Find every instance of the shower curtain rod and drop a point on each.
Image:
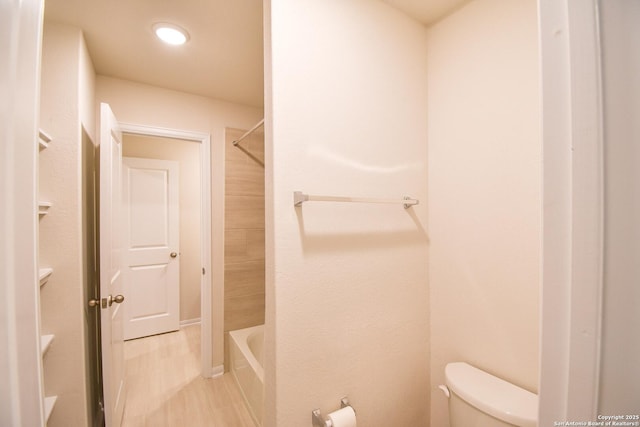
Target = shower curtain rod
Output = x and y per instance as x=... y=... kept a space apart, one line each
x=249 y=132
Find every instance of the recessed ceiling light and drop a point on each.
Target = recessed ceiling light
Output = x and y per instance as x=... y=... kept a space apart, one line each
x=171 y=34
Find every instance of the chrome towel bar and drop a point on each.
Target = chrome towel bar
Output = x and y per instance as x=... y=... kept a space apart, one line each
x=299 y=197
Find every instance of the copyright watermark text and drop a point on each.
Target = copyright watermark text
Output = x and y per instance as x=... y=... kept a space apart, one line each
x=604 y=420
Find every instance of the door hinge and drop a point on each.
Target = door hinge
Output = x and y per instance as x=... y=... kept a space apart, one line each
x=203 y=273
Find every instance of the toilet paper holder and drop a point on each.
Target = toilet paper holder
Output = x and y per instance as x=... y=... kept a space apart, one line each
x=316 y=416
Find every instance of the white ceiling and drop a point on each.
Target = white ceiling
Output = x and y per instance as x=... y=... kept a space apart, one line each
x=222 y=60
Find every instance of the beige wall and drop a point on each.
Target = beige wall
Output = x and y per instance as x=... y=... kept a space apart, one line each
x=244 y=233
x=87 y=95
x=347 y=294
x=67 y=89
x=484 y=193
x=141 y=104
x=187 y=154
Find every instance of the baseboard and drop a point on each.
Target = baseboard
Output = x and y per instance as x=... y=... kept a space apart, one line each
x=217 y=371
x=189 y=322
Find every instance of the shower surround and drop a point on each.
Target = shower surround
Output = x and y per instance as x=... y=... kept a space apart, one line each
x=243 y=233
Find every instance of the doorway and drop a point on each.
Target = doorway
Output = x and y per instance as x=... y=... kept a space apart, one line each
x=161 y=218
x=192 y=149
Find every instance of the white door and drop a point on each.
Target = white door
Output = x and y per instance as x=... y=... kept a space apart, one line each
x=152 y=277
x=111 y=318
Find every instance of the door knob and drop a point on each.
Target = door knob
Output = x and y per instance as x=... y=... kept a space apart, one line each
x=108 y=301
x=174 y=254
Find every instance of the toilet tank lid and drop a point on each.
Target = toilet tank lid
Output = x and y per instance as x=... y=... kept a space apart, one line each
x=492 y=395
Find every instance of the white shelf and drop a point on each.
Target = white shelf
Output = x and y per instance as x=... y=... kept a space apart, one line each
x=43 y=139
x=43 y=207
x=49 y=404
x=45 y=343
x=44 y=274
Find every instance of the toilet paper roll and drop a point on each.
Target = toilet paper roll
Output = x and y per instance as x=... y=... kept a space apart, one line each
x=344 y=417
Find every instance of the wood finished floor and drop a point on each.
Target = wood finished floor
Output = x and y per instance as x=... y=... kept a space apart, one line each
x=165 y=388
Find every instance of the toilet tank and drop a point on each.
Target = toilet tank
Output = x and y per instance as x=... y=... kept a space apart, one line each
x=481 y=400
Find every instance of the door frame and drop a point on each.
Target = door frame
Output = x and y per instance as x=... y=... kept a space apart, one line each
x=204 y=139
x=573 y=200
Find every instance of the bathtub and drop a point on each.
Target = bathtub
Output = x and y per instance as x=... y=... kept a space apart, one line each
x=246 y=354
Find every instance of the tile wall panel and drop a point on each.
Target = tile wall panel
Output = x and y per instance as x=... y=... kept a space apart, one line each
x=244 y=233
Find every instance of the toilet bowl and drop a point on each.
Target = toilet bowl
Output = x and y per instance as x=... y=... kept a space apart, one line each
x=479 y=399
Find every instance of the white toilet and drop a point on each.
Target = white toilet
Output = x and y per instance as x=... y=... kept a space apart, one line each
x=478 y=399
